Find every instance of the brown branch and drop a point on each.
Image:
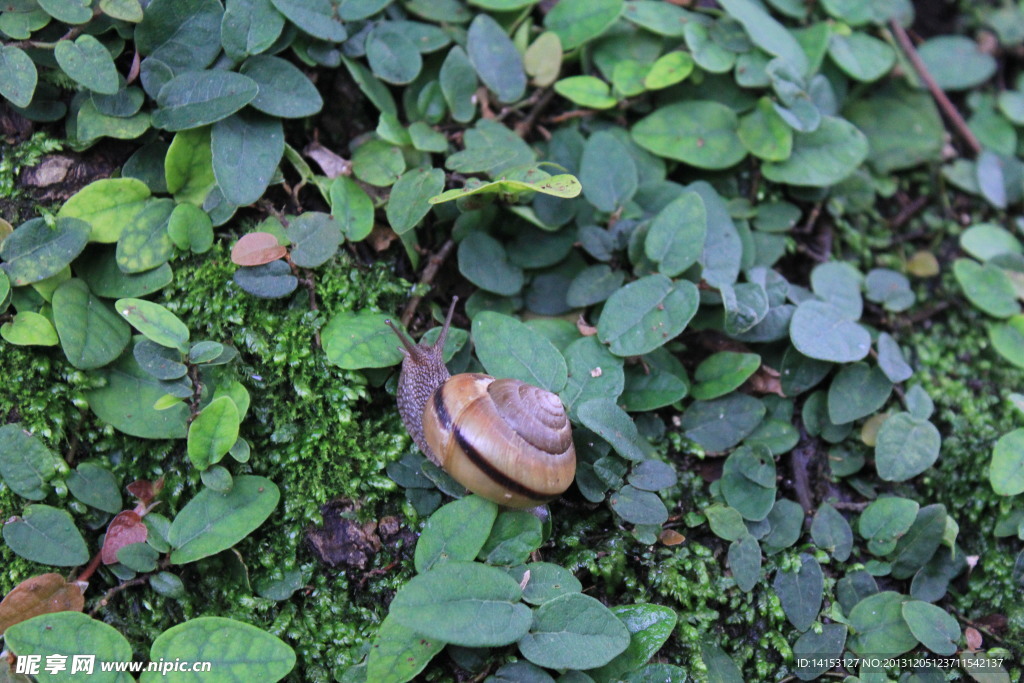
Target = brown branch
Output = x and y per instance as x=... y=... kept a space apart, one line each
x=524 y=127
x=800 y=462
x=429 y=273
x=574 y=114
x=908 y=211
x=137 y=581
x=91 y=568
x=940 y=97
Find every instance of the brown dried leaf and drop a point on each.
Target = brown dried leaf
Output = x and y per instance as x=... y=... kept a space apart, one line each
x=766 y=381
x=381 y=237
x=671 y=537
x=332 y=164
x=43 y=594
x=257 y=248
x=586 y=329
x=126 y=528
x=973 y=637
x=142 y=489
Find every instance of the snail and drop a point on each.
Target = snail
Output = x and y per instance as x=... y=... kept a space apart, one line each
x=503 y=439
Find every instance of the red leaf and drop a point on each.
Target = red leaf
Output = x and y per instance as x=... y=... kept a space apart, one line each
x=257 y=248
x=43 y=594
x=145 y=491
x=126 y=528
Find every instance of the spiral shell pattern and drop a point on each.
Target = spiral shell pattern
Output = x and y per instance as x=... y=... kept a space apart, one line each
x=505 y=440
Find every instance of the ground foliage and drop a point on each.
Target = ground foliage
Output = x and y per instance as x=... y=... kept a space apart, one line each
x=725 y=234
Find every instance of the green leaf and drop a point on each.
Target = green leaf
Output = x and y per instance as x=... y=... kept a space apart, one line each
x=357 y=340
x=29 y=329
x=495 y=58
x=607 y=173
x=182 y=34
x=543 y=59
x=699 y=133
x=190 y=228
x=1007 y=470
x=649 y=627
x=915 y=548
x=378 y=163
x=646 y=314
x=484 y=262
x=70 y=633
x=606 y=419
x=722 y=372
x=408 y=203
x=315 y=17
x=188 y=166
x=155 y=322
x=820 y=330
x=786 y=520
x=239 y=651
x=315 y=237
x=515 y=535
x=87 y=62
x=987 y=287
x=507 y=348
x=574 y=631
x=822 y=158
x=800 y=592
x=283 y=90
x=721 y=668
x=392 y=56
x=95 y=486
x=903 y=127
x=196 y=98
x=547 y=581
x=889 y=288
x=456 y=532
x=668 y=70
x=213 y=432
x=18 y=75
x=857 y=391
x=765 y=133
x=832 y=532
x=490 y=148
x=249 y=27
x=269 y=281
x=663 y=383
x=638 y=507
x=26 y=464
x=594 y=284
x=144 y=244
x=399 y=653
x=905 y=447
x=653 y=475
x=745 y=562
x=586 y=91
x=593 y=373
x=212 y=521
x=879 y=629
x=46 y=535
x=126 y=400
x=35 y=251
x=99 y=269
x=564 y=186
x=352 y=208
x=464 y=603
x=720 y=424
x=956 y=62
x=458 y=85
x=863 y=57
x=748 y=482
x=933 y=626
x=246 y=148
x=818 y=649
x=579 y=21
x=987 y=240
x=90 y=333
x=725 y=522
x=766 y=33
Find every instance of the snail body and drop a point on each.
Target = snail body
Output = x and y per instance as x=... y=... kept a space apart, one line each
x=503 y=439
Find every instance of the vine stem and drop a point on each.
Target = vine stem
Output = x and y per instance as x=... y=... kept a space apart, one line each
x=429 y=273
x=940 y=97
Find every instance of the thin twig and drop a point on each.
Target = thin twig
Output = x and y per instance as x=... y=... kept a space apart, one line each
x=940 y=97
x=137 y=581
x=908 y=211
x=524 y=127
x=574 y=114
x=429 y=273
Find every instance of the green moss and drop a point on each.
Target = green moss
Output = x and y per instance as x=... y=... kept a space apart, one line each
x=13 y=158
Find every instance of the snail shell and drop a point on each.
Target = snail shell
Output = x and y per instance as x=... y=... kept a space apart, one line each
x=503 y=439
